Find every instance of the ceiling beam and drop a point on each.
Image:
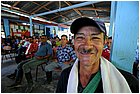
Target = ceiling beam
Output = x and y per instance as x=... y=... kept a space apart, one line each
x=44 y=6
x=16 y=8
x=97 y=9
x=68 y=22
x=61 y=14
x=65 y=8
x=101 y=16
x=38 y=6
x=69 y=4
x=20 y=11
x=25 y=5
x=14 y=4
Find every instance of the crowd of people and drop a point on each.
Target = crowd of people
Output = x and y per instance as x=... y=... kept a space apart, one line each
x=32 y=51
x=83 y=61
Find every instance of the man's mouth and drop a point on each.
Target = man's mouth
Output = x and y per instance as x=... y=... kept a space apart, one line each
x=86 y=52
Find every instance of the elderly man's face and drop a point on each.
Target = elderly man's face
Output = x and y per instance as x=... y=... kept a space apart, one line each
x=88 y=45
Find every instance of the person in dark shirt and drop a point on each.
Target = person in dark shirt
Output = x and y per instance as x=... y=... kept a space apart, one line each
x=92 y=73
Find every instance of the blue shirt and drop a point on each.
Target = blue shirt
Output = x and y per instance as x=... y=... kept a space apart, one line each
x=65 y=54
x=44 y=49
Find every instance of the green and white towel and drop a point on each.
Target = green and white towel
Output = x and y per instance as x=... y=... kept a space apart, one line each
x=113 y=80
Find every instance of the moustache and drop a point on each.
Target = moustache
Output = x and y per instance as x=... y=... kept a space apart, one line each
x=87 y=51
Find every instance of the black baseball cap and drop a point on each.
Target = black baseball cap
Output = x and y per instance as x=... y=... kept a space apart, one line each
x=84 y=21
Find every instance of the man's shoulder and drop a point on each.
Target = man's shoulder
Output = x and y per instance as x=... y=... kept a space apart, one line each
x=48 y=45
x=60 y=46
x=126 y=74
x=131 y=80
x=66 y=72
x=68 y=47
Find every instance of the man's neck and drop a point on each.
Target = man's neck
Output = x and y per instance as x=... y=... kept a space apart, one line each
x=43 y=43
x=86 y=72
x=63 y=46
x=89 y=70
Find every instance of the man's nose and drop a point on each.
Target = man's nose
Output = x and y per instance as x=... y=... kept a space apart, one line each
x=88 y=43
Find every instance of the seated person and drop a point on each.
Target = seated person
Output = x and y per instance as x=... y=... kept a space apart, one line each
x=7 y=47
x=43 y=53
x=31 y=49
x=65 y=56
x=106 y=51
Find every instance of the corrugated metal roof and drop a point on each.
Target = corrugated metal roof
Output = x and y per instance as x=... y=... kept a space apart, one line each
x=101 y=9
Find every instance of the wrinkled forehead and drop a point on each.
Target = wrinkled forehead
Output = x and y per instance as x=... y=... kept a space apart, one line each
x=89 y=30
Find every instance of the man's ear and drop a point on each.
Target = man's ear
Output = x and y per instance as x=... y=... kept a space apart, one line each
x=67 y=41
x=105 y=41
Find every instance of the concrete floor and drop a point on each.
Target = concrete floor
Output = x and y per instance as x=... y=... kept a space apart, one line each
x=8 y=67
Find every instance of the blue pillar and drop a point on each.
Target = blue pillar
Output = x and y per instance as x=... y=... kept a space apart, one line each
x=112 y=17
x=31 y=28
x=126 y=31
x=45 y=29
x=6 y=27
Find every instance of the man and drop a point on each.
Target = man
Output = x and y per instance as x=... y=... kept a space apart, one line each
x=22 y=56
x=43 y=53
x=92 y=73
x=65 y=56
x=106 y=51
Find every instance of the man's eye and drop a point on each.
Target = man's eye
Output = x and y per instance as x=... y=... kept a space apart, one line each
x=95 y=38
x=79 y=38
